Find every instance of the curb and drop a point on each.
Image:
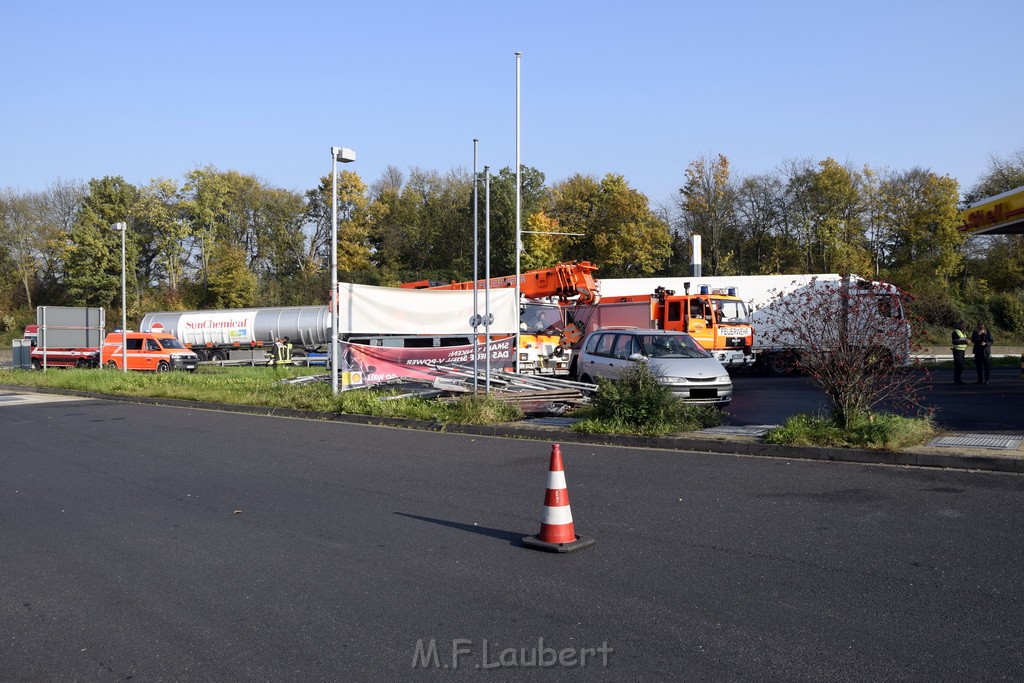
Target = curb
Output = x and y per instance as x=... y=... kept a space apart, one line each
x=907 y=458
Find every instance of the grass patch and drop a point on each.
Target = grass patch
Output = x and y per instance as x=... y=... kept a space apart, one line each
x=876 y=431
x=261 y=387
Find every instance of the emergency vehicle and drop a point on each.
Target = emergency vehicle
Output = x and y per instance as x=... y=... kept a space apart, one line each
x=152 y=351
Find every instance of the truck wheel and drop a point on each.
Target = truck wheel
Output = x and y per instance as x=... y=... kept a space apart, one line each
x=111 y=365
x=778 y=364
x=217 y=355
x=162 y=366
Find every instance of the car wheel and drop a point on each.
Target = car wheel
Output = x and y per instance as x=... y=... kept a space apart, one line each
x=162 y=366
x=586 y=379
x=111 y=365
x=36 y=365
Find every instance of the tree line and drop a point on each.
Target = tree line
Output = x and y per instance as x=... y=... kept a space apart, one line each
x=224 y=239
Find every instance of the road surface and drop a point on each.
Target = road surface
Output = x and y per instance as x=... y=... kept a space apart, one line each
x=153 y=542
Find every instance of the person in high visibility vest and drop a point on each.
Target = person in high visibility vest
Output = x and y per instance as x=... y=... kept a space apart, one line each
x=282 y=352
x=959 y=339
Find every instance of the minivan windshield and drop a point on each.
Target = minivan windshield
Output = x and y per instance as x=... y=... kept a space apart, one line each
x=671 y=346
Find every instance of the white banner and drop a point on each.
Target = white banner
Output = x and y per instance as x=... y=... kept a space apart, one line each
x=391 y=310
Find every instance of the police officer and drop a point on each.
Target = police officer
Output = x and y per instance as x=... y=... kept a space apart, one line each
x=959 y=339
x=982 y=340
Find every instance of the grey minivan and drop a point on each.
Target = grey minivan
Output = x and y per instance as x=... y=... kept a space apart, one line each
x=676 y=358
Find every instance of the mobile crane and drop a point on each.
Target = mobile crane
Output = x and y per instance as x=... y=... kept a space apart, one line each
x=545 y=341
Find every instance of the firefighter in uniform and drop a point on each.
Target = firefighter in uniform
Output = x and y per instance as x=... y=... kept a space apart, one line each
x=960 y=340
x=282 y=352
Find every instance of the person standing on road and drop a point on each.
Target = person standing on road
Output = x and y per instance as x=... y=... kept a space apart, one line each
x=982 y=340
x=959 y=345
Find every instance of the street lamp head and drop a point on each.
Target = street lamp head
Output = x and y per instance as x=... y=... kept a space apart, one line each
x=343 y=154
x=119 y=227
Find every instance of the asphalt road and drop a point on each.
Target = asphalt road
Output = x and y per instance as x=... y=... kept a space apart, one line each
x=165 y=543
x=990 y=408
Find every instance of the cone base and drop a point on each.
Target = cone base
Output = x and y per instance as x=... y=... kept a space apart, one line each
x=537 y=544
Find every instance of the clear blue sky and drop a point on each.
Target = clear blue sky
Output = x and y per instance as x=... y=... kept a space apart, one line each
x=154 y=89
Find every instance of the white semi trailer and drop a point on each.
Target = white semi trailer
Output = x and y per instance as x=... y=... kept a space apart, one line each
x=877 y=306
x=214 y=334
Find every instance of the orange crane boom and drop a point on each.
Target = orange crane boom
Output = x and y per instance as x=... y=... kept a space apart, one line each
x=573 y=279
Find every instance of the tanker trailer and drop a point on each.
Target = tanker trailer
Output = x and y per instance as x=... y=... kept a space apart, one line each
x=213 y=334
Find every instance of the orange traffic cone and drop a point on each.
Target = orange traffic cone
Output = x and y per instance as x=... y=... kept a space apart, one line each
x=557 y=533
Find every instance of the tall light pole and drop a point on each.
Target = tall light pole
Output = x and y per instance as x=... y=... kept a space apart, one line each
x=123 y=229
x=476 y=275
x=344 y=156
x=519 y=209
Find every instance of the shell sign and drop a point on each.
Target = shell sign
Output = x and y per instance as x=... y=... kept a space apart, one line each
x=999 y=215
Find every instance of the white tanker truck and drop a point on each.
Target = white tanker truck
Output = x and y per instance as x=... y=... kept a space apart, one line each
x=212 y=335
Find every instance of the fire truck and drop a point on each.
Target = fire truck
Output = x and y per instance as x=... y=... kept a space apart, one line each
x=717 y=318
x=78 y=357
x=545 y=346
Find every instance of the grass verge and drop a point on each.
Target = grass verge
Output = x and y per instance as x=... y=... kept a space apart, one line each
x=262 y=387
x=876 y=431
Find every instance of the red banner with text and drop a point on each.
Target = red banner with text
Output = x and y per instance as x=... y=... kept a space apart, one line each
x=364 y=366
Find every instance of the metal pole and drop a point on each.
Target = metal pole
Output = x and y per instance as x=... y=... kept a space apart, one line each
x=123 y=227
x=487 y=275
x=519 y=224
x=476 y=275
x=334 y=271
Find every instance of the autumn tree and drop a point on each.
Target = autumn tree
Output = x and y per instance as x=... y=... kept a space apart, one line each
x=56 y=209
x=503 y=213
x=19 y=235
x=542 y=245
x=354 y=241
x=618 y=230
x=835 y=205
x=230 y=282
x=920 y=216
x=93 y=273
x=767 y=245
x=708 y=205
x=161 y=231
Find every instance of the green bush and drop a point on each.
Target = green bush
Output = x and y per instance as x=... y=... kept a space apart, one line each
x=638 y=404
x=1007 y=310
x=637 y=398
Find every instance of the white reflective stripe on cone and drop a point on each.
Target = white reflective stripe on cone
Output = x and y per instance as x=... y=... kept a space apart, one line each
x=557 y=515
x=556 y=479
